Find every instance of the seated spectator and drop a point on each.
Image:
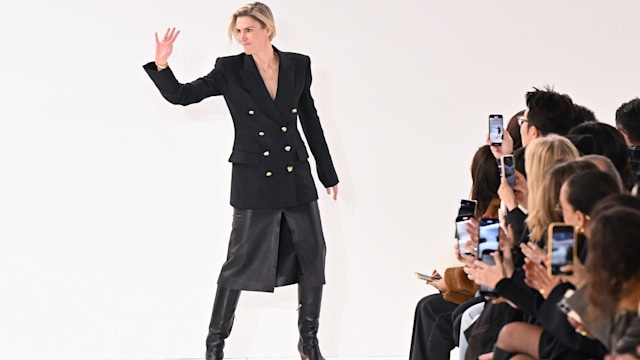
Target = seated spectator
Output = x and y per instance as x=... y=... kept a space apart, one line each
x=609 y=142
x=628 y=123
x=432 y=327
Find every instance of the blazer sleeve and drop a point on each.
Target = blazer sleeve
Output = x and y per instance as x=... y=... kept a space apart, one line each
x=214 y=83
x=555 y=322
x=313 y=132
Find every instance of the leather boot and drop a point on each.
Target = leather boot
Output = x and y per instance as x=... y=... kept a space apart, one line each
x=309 y=299
x=224 y=308
x=501 y=354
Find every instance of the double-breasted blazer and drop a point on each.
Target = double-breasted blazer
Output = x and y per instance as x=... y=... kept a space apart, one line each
x=270 y=160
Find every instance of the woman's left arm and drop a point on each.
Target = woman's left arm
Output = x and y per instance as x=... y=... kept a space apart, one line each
x=315 y=135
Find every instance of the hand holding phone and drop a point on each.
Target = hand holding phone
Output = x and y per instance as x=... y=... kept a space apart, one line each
x=508 y=169
x=425 y=277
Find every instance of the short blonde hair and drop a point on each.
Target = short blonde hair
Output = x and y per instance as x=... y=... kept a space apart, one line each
x=539 y=155
x=257 y=10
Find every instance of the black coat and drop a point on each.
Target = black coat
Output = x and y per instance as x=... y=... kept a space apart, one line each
x=270 y=166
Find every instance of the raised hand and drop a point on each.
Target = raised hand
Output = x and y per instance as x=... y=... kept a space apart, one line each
x=164 y=47
x=534 y=252
x=489 y=275
x=505 y=149
x=538 y=278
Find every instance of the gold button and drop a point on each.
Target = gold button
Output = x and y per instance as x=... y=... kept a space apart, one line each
x=289 y=168
x=294 y=110
x=269 y=173
x=284 y=129
x=266 y=153
x=287 y=148
x=251 y=112
x=261 y=133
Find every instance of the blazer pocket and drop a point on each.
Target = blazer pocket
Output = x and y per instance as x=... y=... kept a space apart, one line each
x=244 y=157
x=302 y=153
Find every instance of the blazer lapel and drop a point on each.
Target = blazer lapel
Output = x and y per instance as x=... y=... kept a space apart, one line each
x=286 y=80
x=255 y=84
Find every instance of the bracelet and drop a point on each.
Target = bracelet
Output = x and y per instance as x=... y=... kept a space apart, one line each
x=163 y=66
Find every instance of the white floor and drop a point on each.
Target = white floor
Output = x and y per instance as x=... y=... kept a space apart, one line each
x=454 y=356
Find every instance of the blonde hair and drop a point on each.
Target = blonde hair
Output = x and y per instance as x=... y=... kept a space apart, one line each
x=539 y=155
x=257 y=10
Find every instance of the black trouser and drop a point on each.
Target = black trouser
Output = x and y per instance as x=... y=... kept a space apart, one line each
x=432 y=329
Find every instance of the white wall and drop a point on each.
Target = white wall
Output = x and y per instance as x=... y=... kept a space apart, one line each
x=114 y=214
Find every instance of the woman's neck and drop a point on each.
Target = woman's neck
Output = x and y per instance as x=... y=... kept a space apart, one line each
x=266 y=59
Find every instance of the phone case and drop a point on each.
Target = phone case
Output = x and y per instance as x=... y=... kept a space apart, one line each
x=560 y=254
x=424 y=276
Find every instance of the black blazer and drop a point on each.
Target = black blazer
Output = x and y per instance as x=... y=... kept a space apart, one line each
x=270 y=166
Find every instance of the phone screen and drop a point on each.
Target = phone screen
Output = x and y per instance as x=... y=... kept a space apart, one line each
x=509 y=170
x=466 y=211
x=489 y=232
x=463 y=235
x=496 y=129
x=467 y=207
x=561 y=247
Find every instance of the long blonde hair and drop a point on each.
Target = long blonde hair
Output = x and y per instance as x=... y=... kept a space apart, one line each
x=539 y=155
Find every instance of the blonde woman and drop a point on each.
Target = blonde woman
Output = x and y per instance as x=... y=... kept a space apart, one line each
x=276 y=236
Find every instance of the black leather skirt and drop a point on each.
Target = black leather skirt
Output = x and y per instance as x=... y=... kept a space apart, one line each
x=275 y=247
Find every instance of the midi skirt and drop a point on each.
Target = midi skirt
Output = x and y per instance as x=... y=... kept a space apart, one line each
x=275 y=247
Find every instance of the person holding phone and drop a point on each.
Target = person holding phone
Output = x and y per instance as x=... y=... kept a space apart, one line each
x=277 y=235
x=432 y=336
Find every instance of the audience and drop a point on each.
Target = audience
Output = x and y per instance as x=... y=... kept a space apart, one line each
x=571 y=170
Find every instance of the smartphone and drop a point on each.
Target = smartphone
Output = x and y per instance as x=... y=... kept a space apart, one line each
x=487 y=258
x=508 y=169
x=561 y=246
x=496 y=129
x=467 y=207
x=489 y=232
x=563 y=303
x=466 y=211
x=462 y=234
x=424 y=276
x=488 y=243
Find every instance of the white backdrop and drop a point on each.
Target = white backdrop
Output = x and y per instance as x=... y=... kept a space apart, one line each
x=114 y=214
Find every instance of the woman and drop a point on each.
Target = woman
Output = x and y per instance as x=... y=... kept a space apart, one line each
x=613 y=288
x=576 y=186
x=276 y=236
x=432 y=325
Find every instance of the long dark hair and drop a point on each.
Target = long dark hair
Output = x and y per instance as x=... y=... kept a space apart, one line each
x=614 y=245
x=485 y=177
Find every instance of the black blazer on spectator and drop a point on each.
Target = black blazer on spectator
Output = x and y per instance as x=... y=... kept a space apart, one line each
x=270 y=166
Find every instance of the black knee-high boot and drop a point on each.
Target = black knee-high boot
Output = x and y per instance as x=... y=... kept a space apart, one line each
x=224 y=308
x=501 y=354
x=309 y=299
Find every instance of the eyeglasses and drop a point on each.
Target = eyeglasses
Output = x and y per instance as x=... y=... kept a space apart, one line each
x=521 y=120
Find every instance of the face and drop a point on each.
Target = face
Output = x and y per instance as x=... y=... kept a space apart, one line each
x=525 y=135
x=569 y=214
x=251 y=35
